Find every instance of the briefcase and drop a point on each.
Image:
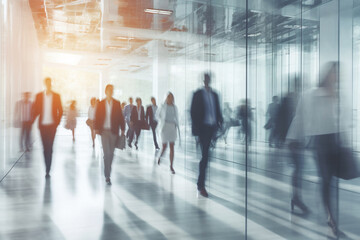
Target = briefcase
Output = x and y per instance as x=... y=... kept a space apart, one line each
x=120 y=142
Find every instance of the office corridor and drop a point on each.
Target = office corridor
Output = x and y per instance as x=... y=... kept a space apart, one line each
x=146 y=201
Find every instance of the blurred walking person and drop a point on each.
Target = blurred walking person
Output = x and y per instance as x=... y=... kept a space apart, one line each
x=127 y=114
x=48 y=107
x=24 y=120
x=71 y=116
x=206 y=120
x=271 y=114
x=245 y=116
x=108 y=121
x=151 y=120
x=325 y=128
x=137 y=121
x=168 y=126
x=91 y=118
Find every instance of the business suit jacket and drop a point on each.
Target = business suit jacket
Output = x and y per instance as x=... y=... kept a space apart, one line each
x=135 y=118
x=197 y=111
x=57 y=110
x=116 y=119
x=150 y=116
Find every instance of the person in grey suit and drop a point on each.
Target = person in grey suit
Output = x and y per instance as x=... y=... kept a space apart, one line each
x=108 y=120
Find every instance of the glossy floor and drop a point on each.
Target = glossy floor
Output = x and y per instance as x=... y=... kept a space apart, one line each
x=147 y=202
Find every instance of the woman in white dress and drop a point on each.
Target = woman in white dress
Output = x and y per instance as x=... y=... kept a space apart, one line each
x=167 y=116
x=91 y=117
x=71 y=118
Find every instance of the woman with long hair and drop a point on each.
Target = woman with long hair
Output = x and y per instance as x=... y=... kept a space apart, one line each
x=168 y=126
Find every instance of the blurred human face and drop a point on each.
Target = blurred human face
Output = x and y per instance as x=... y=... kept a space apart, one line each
x=153 y=101
x=109 y=92
x=170 y=99
x=47 y=83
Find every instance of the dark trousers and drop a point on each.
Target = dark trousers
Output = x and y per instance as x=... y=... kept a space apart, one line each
x=207 y=133
x=47 y=133
x=25 y=135
x=130 y=130
x=153 y=129
x=137 y=131
x=296 y=155
x=327 y=147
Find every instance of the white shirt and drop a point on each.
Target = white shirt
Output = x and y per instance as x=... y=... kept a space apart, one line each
x=317 y=114
x=91 y=113
x=108 y=108
x=139 y=113
x=210 y=116
x=154 y=109
x=47 y=118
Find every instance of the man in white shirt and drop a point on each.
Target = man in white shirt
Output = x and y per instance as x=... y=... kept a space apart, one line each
x=108 y=121
x=48 y=106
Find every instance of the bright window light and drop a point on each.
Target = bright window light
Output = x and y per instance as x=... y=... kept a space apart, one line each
x=62 y=58
x=158 y=11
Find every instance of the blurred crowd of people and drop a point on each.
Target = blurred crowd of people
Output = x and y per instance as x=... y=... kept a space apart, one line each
x=312 y=121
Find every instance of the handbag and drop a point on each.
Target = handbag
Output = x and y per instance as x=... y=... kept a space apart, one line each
x=120 y=142
x=346 y=166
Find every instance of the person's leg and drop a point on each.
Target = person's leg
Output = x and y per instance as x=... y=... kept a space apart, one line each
x=22 y=136
x=105 y=141
x=162 y=152
x=153 y=129
x=51 y=139
x=137 y=133
x=112 y=144
x=131 y=135
x=73 y=133
x=205 y=141
x=172 y=156
x=27 y=136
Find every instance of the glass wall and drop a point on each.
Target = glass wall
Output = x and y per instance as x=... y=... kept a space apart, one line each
x=20 y=65
x=256 y=50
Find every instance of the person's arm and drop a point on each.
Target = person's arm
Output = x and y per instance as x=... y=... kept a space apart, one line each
x=60 y=110
x=122 y=121
x=147 y=114
x=35 y=109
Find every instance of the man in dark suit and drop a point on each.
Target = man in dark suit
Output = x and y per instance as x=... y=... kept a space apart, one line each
x=150 y=119
x=108 y=120
x=137 y=121
x=48 y=106
x=206 y=120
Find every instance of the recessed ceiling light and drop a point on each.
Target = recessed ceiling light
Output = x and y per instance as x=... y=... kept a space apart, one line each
x=158 y=11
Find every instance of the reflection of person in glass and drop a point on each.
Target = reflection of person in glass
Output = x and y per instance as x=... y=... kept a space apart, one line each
x=272 y=113
x=168 y=126
x=24 y=120
x=206 y=120
x=48 y=106
x=228 y=123
x=317 y=116
x=108 y=120
x=244 y=114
